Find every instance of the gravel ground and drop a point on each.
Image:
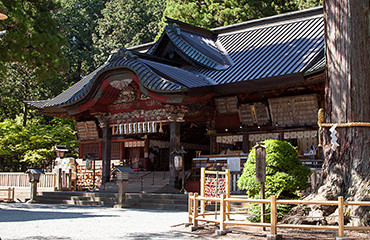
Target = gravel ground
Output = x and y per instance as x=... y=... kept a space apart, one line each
x=61 y=222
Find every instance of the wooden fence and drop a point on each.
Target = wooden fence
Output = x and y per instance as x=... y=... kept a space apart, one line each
x=20 y=179
x=9 y=197
x=224 y=214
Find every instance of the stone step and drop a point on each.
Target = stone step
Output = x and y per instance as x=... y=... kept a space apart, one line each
x=176 y=202
x=158 y=206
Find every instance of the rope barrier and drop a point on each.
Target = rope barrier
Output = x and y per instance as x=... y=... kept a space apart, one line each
x=321 y=118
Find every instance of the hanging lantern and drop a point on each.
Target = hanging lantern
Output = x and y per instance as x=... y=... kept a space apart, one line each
x=138 y=127
x=130 y=128
x=154 y=127
x=125 y=128
x=134 y=128
x=160 y=128
x=144 y=127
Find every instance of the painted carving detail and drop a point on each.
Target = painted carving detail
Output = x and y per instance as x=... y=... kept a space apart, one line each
x=175 y=113
x=127 y=95
x=144 y=115
x=103 y=119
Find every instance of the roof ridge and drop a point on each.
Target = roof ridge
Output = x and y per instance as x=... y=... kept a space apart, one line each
x=302 y=14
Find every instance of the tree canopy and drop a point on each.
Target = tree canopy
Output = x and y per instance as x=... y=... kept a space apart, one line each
x=32 y=37
x=125 y=24
x=216 y=13
x=77 y=21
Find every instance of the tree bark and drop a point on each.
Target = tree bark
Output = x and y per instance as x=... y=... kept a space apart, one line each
x=346 y=171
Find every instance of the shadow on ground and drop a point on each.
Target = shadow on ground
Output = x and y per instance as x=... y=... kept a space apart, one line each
x=29 y=212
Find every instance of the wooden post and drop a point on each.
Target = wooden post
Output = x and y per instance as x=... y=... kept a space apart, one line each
x=273 y=215
x=202 y=189
x=341 y=217
x=70 y=180
x=195 y=213
x=222 y=212
x=60 y=179
x=9 y=191
x=107 y=141
x=13 y=196
x=262 y=195
x=223 y=208
x=228 y=189
x=190 y=206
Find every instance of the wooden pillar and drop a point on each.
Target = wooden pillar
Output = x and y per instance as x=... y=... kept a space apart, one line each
x=245 y=143
x=107 y=140
x=212 y=144
x=174 y=145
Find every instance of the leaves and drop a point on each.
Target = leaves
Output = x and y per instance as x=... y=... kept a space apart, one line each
x=32 y=37
x=33 y=145
x=285 y=174
x=217 y=13
x=125 y=24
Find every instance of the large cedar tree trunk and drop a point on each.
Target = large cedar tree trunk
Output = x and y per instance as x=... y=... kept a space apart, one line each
x=346 y=171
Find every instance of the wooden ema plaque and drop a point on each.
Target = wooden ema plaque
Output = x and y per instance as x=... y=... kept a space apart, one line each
x=87 y=130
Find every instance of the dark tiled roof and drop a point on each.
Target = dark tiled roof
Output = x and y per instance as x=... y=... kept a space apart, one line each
x=202 y=49
x=270 y=51
x=240 y=54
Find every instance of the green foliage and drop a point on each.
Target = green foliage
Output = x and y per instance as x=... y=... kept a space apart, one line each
x=285 y=174
x=32 y=37
x=285 y=177
x=216 y=13
x=254 y=211
x=127 y=23
x=33 y=145
x=77 y=21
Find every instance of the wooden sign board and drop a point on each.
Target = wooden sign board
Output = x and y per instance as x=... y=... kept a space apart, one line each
x=87 y=130
x=257 y=113
x=294 y=110
x=227 y=105
x=260 y=162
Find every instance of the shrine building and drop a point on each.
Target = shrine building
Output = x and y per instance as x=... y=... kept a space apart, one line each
x=212 y=92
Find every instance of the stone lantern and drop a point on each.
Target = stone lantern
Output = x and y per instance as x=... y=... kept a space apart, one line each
x=122 y=175
x=179 y=163
x=34 y=178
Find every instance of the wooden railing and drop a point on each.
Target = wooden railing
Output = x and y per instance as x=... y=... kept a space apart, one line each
x=20 y=179
x=9 y=197
x=224 y=219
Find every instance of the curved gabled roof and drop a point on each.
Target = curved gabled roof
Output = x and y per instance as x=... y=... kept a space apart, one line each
x=265 y=53
x=204 y=50
x=153 y=76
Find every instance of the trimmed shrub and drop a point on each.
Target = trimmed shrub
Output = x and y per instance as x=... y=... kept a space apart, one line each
x=286 y=176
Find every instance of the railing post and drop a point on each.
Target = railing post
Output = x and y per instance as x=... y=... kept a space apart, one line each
x=340 y=219
x=202 y=189
x=190 y=206
x=195 y=212
x=13 y=192
x=9 y=191
x=228 y=190
x=273 y=233
x=223 y=209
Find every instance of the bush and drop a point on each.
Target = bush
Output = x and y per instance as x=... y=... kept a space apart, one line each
x=286 y=176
